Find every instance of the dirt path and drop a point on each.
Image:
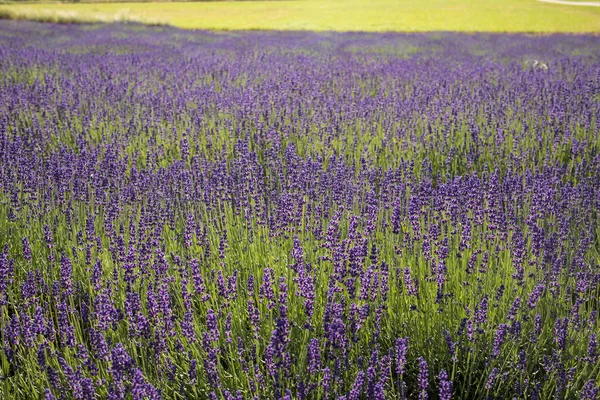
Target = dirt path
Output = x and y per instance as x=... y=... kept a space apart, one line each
x=573 y=3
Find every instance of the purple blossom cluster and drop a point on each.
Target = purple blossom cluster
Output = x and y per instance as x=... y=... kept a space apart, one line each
x=261 y=215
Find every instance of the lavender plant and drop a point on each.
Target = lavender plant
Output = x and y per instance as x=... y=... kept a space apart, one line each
x=297 y=215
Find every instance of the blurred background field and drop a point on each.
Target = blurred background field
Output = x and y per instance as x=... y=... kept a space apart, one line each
x=334 y=15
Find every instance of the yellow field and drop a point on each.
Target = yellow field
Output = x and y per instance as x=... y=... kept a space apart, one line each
x=337 y=15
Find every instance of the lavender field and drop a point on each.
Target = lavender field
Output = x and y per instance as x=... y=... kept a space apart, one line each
x=255 y=215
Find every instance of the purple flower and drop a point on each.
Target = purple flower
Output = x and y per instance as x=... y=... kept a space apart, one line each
x=592 y=356
x=189 y=231
x=228 y=338
x=212 y=326
x=221 y=285
x=357 y=386
x=411 y=287
x=250 y=285
x=401 y=349
x=396 y=216
x=254 y=317
x=445 y=386
x=451 y=346
x=26 y=249
x=67 y=331
x=522 y=365
x=535 y=295
x=379 y=393
x=141 y=389
x=198 y=280
x=423 y=379
x=211 y=364
x=6 y=275
x=481 y=312
x=492 y=379
x=66 y=274
x=314 y=357
x=88 y=390
x=29 y=287
x=590 y=391
x=499 y=339
x=187 y=326
x=306 y=289
x=41 y=356
x=48 y=236
x=538 y=324
x=97 y=275
x=560 y=332
x=266 y=289
x=104 y=310
x=99 y=345
x=512 y=313
x=326 y=382
x=192 y=373
x=48 y=395
x=121 y=362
